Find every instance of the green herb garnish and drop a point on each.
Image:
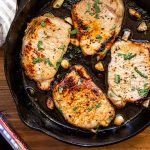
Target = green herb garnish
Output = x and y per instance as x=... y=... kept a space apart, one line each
x=90 y=108
x=60 y=110
x=127 y=57
x=73 y=32
x=140 y=73
x=75 y=108
x=37 y=60
x=99 y=38
x=97 y=9
x=88 y=28
x=47 y=61
x=110 y=95
x=143 y=92
x=105 y=51
x=33 y=30
x=79 y=82
x=40 y=45
x=97 y=127
x=58 y=63
x=117 y=79
x=62 y=47
x=98 y=105
x=88 y=8
x=43 y=23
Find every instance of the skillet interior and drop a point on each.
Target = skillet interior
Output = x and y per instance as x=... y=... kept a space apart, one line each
x=20 y=84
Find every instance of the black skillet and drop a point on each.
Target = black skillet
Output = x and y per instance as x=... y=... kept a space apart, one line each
x=32 y=108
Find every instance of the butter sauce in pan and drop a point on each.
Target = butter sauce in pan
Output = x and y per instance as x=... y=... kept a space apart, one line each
x=76 y=57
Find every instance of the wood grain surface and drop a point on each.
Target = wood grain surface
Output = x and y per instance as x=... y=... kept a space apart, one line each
x=39 y=141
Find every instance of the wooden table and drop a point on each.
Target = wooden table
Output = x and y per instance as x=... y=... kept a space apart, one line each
x=40 y=141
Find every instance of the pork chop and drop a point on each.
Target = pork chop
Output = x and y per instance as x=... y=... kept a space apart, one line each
x=98 y=23
x=81 y=102
x=128 y=72
x=44 y=44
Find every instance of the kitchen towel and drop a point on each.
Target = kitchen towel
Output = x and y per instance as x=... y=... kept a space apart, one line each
x=7 y=13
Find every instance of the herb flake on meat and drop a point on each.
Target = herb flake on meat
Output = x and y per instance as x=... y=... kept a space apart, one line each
x=47 y=61
x=143 y=92
x=140 y=73
x=43 y=23
x=37 y=60
x=117 y=79
x=74 y=32
x=128 y=56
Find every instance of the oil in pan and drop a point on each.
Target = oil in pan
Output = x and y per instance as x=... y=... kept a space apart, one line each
x=75 y=56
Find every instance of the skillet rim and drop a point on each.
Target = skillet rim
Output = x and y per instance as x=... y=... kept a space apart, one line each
x=30 y=125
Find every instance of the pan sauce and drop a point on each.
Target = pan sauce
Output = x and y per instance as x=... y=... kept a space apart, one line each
x=75 y=56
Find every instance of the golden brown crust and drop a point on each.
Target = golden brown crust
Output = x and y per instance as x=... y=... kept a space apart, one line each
x=81 y=102
x=97 y=32
x=44 y=44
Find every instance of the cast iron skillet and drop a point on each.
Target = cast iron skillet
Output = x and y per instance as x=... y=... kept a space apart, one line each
x=32 y=109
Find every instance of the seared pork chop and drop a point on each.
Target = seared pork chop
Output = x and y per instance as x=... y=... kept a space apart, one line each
x=44 y=44
x=98 y=23
x=128 y=72
x=81 y=102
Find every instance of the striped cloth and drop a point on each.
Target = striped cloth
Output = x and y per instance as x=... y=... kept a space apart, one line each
x=7 y=13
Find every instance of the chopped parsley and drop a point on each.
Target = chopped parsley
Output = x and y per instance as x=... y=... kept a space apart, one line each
x=99 y=38
x=88 y=28
x=43 y=23
x=110 y=95
x=37 y=60
x=75 y=108
x=90 y=108
x=98 y=105
x=97 y=127
x=79 y=82
x=47 y=61
x=73 y=32
x=33 y=30
x=127 y=57
x=60 y=110
x=105 y=51
x=88 y=8
x=117 y=79
x=58 y=63
x=143 y=92
x=62 y=47
x=96 y=9
x=60 y=90
x=96 y=16
x=140 y=73
x=40 y=45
